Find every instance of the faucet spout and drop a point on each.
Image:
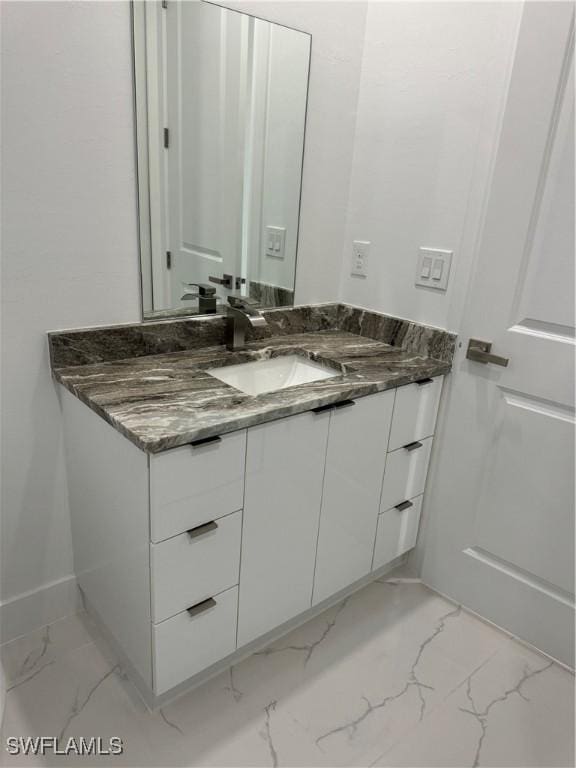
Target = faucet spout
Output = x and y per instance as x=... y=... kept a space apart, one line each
x=242 y=315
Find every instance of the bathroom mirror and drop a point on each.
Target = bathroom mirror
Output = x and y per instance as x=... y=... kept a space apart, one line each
x=220 y=119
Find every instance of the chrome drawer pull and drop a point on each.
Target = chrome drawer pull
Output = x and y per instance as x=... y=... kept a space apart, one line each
x=345 y=404
x=200 y=530
x=333 y=406
x=323 y=408
x=403 y=506
x=412 y=446
x=421 y=382
x=205 y=441
x=205 y=605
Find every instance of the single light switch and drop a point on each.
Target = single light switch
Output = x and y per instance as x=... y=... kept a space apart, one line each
x=433 y=268
x=437 y=269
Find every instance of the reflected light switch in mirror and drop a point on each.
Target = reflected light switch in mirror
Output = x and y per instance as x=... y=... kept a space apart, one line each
x=433 y=268
x=275 y=241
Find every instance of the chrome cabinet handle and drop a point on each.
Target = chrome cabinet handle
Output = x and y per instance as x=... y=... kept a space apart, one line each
x=334 y=406
x=200 y=530
x=344 y=404
x=480 y=352
x=412 y=446
x=205 y=605
x=404 y=505
x=323 y=408
x=206 y=441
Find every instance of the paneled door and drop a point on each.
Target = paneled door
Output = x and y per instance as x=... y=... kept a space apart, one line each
x=206 y=75
x=501 y=511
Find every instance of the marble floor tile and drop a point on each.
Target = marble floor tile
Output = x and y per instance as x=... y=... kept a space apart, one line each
x=516 y=709
x=394 y=675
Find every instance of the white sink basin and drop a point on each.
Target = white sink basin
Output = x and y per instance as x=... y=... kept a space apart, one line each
x=271 y=375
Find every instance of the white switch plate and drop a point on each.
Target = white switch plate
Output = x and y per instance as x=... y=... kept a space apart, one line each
x=433 y=268
x=275 y=242
x=360 y=251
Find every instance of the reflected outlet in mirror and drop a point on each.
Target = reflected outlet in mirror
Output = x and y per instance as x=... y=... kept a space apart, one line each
x=272 y=375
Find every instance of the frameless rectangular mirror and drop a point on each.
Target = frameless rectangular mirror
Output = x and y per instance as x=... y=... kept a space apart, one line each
x=220 y=119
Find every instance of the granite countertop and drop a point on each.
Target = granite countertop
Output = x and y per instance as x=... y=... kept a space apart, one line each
x=160 y=401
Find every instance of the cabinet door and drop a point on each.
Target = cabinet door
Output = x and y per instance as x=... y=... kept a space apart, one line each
x=284 y=469
x=355 y=462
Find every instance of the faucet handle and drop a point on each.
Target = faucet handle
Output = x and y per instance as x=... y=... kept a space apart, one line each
x=203 y=288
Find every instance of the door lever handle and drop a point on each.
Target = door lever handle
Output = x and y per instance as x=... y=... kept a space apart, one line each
x=225 y=280
x=479 y=351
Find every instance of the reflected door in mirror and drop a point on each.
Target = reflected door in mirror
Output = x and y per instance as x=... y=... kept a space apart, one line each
x=220 y=154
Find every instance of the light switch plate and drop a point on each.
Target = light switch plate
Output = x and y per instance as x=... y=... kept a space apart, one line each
x=433 y=268
x=360 y=251
x=275 y=242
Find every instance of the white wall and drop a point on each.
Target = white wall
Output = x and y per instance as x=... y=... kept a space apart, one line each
x=432 y=81
x=69 y=247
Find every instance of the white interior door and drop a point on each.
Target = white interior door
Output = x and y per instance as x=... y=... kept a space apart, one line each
x=501 y=512
x=206 y=77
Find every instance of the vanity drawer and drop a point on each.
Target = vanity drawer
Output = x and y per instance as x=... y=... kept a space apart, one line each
x=194 y=484
x=397 y=531
x=191 y=641
x=415 y=410
x=405 y=474
x=195 y=565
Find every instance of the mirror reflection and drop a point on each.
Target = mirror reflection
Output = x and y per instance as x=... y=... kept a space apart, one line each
x=221 y=107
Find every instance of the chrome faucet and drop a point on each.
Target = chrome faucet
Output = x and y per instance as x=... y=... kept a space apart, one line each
x=206 y=295
x=241 y=316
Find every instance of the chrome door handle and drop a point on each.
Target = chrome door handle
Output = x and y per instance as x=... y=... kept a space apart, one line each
x=479 y=351
x=225 y=280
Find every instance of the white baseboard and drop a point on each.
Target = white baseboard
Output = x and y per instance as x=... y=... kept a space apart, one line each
x=32 y=610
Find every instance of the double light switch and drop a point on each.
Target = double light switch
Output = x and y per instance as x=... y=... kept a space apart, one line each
x=275 y=241
x=433 y=268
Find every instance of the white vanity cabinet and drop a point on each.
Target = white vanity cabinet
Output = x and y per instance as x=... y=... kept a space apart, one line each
x=409 y=448
x=357 y=442
x=284 y=472
x=188 y=558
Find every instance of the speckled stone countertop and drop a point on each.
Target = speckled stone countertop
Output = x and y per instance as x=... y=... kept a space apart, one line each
x=160 y=401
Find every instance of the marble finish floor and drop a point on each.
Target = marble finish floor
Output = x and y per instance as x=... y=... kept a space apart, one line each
x=393 y=676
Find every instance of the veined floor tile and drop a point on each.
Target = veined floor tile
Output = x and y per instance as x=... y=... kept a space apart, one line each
x=394 y=675
x=517 y=709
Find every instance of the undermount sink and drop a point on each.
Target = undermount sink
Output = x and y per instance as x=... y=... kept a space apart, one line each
x=270 y=375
